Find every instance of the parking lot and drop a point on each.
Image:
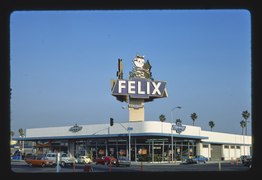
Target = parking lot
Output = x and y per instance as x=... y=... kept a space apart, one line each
x=226 y=166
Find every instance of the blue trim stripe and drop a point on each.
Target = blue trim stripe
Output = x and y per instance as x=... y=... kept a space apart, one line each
x=110 y=136
x=224 y=143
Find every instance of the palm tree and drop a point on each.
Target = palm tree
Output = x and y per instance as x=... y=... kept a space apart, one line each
x=243 y=124
x=211 y=124
x=245 y=115
x=178 y=121
x=21 y=132
x=162 y=118
x=193 y=117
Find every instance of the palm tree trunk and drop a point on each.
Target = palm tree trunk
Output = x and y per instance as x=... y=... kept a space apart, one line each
x=246 y=128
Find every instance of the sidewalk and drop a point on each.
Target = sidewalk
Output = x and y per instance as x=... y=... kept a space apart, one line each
x=155 y=163
x=169 y=163
x=17 y=161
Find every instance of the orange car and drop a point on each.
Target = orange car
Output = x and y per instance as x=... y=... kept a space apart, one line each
x=39 y=161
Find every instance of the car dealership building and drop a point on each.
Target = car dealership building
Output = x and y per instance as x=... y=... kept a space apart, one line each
x=147 y=140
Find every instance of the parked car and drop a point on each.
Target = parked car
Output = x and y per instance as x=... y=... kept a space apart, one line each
x=197 y=159
x=29 y=155
x=123 y=161
x=84 y=160
x=106 y=160
x=65 y=159
x=247 y=161
x=39 y=161
x=243 y=158
x=17 y=155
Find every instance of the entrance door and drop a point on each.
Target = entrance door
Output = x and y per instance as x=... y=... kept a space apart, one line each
x=216 y=150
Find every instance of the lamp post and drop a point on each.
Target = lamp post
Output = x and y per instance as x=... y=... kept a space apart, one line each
x=172 y=141
x=129 y=142
x=128 y=129
x=22 y=146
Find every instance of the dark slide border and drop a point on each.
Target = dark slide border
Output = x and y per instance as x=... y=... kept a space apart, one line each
x=9 y=6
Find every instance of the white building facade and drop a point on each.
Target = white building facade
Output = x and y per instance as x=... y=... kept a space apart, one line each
x=147 y=141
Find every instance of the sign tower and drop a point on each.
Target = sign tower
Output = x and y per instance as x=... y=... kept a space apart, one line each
x=138 y=89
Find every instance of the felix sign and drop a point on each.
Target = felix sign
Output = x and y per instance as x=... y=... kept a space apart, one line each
x=139 y=88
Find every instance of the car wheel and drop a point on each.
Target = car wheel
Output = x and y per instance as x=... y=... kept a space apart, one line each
x=63 y=164
x=30 y=164
x=43 y=164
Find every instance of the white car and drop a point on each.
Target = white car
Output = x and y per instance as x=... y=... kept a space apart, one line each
x=84 y=160
x=65 y=159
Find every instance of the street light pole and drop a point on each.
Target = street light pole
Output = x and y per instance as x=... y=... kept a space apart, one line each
x=22 y=146
x=172 y=140
x=128 y=129
x=129 y=142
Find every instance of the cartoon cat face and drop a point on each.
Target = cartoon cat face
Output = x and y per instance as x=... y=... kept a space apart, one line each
x=139 y=62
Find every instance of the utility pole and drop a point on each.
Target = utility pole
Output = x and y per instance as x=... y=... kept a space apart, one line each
x=172 y=140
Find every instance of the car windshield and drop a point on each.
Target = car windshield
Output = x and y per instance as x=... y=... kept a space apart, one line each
x=122 y=157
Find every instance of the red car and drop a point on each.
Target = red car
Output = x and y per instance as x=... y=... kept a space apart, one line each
x=105 y=160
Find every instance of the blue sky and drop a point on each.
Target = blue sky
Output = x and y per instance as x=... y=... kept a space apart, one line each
x=62 y=63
